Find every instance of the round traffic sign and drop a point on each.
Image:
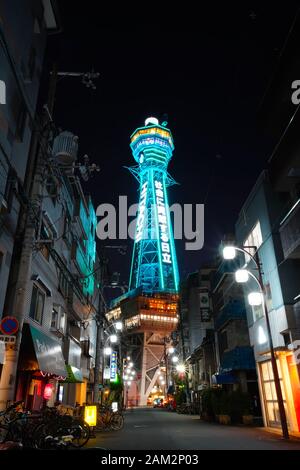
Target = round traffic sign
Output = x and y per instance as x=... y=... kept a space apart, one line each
x=9 y=325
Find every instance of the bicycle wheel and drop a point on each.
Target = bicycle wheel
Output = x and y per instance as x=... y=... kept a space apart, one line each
x=116 y=422
x=4 y=433
x=80 y=431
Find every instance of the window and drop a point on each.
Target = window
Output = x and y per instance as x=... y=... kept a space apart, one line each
x=254 y=239
x=223 y=341
x=37 y=304
x=268 y=296
x=54 y=317
x=45 y=248
x=58 y=319
x=63 y=284
x=68 y=229
x=269 y=391
x=257 y=312
x=51 y=187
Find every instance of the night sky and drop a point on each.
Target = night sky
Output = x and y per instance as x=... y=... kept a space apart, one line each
x=207 y=69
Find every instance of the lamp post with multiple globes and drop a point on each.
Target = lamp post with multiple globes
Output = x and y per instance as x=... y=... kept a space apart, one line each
x=255 y=299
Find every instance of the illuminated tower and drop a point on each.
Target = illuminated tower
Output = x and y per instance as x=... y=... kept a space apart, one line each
x=154 y=263
x=149 y=310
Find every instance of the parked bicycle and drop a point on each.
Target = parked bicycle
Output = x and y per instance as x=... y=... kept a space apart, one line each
x=43 y=430
x=108 y=420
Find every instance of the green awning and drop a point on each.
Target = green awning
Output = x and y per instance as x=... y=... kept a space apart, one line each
x=74 y=375
x=48 y=353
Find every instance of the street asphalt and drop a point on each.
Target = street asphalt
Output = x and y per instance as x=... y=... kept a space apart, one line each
x=158 y=429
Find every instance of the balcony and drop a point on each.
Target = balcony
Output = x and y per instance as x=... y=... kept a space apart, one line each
x=226 y=267
x=239 y=358
x=233 y=310
x=290 y=233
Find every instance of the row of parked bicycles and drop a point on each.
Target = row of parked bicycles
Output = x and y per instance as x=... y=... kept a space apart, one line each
x=51 y=428
x=188 y=408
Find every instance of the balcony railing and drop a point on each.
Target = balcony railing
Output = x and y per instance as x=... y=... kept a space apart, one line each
x=290 y=234
x=233 y=310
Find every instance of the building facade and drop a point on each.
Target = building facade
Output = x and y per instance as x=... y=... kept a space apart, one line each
x=22 y=49
x=262 y=224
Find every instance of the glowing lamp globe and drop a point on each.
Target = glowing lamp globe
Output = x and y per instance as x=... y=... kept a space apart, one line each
x=113 y=338
x=241 y=275
x=107 y=351
x=255 y=299
x=229 y=252
x=180 y=368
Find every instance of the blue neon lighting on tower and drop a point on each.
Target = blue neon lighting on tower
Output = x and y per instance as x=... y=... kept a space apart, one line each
x=154 y=263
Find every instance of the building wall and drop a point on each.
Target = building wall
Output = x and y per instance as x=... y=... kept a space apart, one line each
x=22 y=48
x=268 y=207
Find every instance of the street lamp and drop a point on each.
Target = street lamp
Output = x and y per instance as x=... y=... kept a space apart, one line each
x=119 y=326
x=175 y=359
x=242 y=275
x=255 y=299
x=180 y=368
x=113 y=339
x=107 y=351
x=171 y=350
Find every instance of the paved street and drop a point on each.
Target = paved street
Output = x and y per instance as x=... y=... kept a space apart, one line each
x=147 y=429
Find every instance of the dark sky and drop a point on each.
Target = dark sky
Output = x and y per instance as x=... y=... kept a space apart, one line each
x=207 y=69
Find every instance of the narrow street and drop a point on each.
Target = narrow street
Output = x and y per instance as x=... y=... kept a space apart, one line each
x=147 y=429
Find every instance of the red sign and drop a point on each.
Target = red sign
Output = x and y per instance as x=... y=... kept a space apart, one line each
x=9 y=325
x=48 y=391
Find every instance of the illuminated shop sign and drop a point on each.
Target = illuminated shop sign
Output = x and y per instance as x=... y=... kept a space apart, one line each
x=113 y=366
x=162 y=223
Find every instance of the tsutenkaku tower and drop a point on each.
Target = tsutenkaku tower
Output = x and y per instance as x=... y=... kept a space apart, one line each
x=154 y=264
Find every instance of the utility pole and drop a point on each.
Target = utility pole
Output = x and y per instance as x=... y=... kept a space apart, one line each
x=100 y=318
x=280 y=401
x=99 y=342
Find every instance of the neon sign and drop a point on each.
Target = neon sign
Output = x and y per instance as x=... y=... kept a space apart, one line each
x=162 y=223
x=141 y=216
x=113 y=366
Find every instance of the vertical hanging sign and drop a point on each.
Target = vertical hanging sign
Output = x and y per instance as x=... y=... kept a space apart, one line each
x=113 y=366
x=162 y=223
x=141 y=216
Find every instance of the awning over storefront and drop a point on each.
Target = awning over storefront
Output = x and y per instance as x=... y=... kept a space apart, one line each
x=222 y=379
x=48 y=353
x=74 y=375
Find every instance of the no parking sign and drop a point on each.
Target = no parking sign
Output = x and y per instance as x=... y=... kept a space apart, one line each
x=9 y=325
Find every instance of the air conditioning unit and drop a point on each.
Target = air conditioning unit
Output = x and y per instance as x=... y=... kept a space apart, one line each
x=65 y=148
